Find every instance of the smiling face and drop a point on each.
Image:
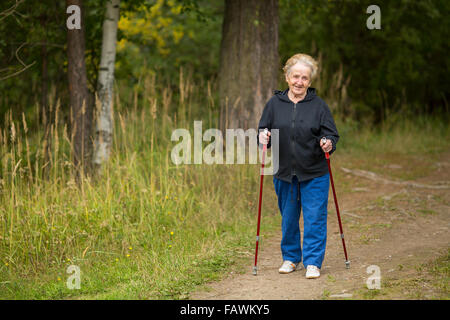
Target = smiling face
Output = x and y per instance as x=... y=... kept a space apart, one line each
x=299 y=79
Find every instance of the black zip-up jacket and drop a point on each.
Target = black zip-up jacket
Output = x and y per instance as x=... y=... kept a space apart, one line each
x=301 y=126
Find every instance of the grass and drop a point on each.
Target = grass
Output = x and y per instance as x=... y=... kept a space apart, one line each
x=145 y=228
x=325 y=294
x=430 y=281
x=400 y=149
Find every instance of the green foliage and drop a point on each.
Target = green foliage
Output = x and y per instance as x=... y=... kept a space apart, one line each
x=403 y=65
x=33 y=24
x=39 y=26
x=365 y=74
x=161 y=36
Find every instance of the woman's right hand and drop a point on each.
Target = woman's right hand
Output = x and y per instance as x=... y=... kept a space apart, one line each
x=263 y=137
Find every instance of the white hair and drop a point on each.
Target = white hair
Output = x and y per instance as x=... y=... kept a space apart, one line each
x=303 y=59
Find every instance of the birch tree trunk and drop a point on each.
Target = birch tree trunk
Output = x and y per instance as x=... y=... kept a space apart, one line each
x=104 y=128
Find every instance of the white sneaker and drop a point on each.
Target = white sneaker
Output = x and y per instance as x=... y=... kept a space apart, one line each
x=288 y=267
x=312 y=272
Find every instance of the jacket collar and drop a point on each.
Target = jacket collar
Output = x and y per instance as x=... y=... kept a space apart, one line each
x=283 y=95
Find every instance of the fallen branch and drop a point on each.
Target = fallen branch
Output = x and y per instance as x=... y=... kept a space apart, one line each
x=374 y=177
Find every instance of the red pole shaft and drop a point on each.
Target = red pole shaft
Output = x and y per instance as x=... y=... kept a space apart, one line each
x=259 y=207
x=327 y=155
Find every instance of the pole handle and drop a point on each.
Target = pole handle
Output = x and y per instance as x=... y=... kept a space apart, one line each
x=324 y=140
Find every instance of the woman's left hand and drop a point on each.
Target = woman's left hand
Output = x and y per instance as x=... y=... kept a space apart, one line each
x=327 y=146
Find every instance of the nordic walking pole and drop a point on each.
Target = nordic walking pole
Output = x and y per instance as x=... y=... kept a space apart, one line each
x=327 y=155
x=260 y=203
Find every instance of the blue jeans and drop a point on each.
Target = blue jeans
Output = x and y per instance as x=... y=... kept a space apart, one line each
x=311 y=196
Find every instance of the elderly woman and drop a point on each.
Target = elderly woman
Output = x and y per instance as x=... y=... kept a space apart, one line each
x=302 y=180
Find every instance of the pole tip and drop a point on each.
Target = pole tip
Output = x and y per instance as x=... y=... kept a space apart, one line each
x=347 y=264
x=254 y=270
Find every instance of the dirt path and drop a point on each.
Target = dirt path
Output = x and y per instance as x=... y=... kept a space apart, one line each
x=397 y=228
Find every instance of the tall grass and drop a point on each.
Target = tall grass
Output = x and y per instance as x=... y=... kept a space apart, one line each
x=144 y=228
x=404 y=135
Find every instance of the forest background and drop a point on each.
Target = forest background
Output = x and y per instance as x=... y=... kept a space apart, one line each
x=137 y=215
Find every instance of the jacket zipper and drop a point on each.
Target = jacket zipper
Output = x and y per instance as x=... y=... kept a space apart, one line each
x=292 y=139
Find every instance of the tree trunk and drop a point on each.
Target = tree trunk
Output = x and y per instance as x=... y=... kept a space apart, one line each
x=80 y=100
x=249 y=61
x=104 y=129
x=44 y=111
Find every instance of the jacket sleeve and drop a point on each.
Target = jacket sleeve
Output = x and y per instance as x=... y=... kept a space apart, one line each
x=265 y=122
x=328 y=127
